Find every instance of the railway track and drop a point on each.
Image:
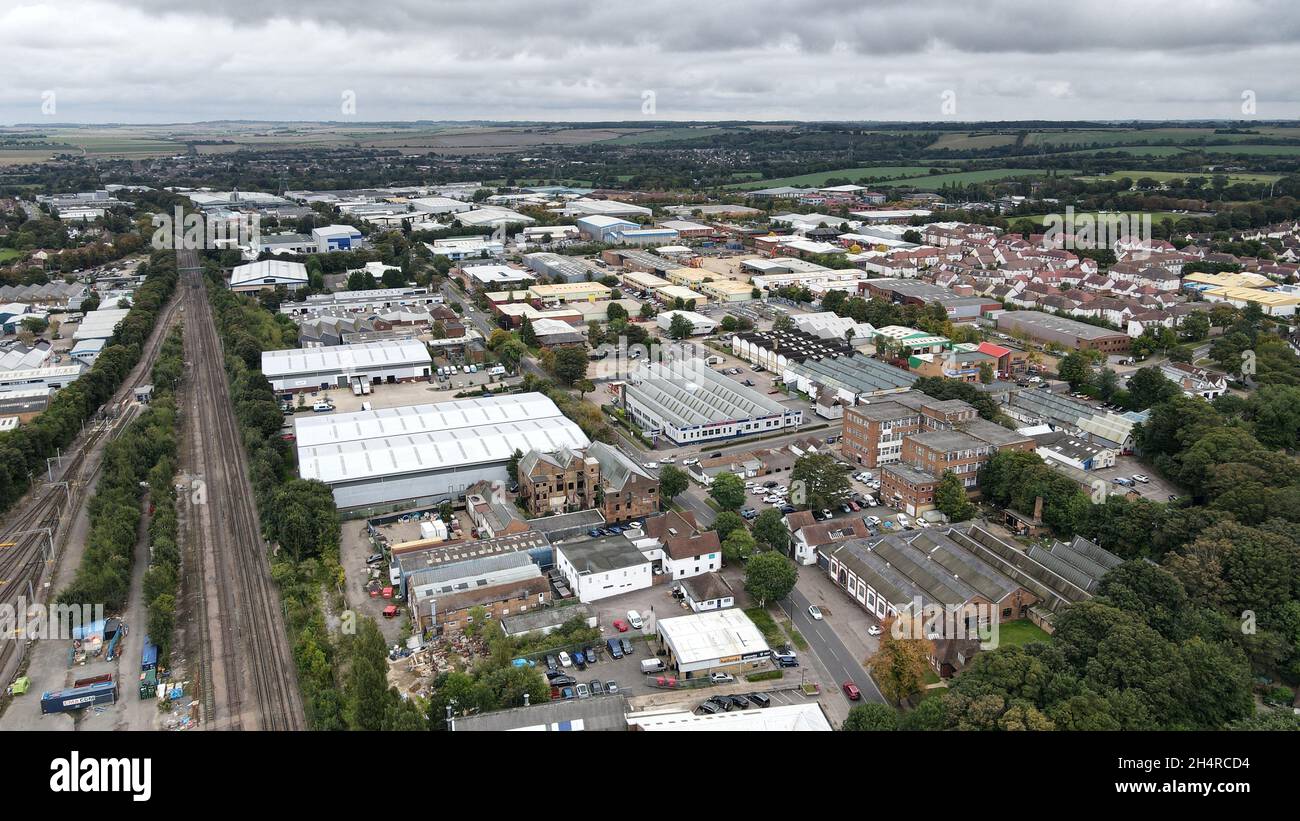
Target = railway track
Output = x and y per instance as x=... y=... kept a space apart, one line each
x=33 y=559
x=248 y=676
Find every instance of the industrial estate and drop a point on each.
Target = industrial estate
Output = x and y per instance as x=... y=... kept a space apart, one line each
x=648 y=426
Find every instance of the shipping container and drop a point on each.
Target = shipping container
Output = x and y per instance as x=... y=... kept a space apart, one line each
x=149 y=658
x=77 y=698
x=149 y=684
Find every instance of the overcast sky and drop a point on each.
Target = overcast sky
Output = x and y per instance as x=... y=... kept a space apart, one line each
x=150 y=61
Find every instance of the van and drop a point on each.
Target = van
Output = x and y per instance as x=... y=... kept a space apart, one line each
x=322 y=407
x=634 y=619
x=615 y=648
x=649 y=666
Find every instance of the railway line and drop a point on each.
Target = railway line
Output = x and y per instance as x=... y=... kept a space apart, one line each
x=38 y=526
x=247 y=675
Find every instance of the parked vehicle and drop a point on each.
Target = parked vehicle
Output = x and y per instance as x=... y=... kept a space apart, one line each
x=709 y=707
x=322 y=407
x=615 y=649
x=873 y=630
x=722 y=702
x=740 y=702
x=1138 y=477
x=721 y=678
x=550 y=663
x=620 y=625
x=76 y=698
x=563 y=681
x=582 y=691
x=649 y=666
x=759 y=700
x=611 y=687
x=627 y=647
x=565 y=659
x=634 y=619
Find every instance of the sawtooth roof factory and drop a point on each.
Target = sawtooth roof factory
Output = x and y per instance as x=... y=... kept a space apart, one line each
x=689 y=404
x=378 y=459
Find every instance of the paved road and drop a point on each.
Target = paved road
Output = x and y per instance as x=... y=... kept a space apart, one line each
x=838 y=661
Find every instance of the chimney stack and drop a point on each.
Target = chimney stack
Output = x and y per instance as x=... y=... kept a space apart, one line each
x=1038 y=508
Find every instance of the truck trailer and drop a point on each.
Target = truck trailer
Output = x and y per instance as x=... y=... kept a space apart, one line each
x=77 y=698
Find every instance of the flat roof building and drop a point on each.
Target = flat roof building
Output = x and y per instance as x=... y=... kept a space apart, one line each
x=714 y=640
x=691 y=403
x=1069 y=333
x=336 y=366
x=268 y=275
x=427 y=453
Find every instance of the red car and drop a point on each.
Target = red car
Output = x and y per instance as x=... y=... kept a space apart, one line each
x=620 y=625
x=851 y=690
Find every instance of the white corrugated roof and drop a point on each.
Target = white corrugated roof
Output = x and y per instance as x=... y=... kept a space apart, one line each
x=430 y=418
x=276 y=269
x=389 y=352
x=417 y=453
x=711 y=635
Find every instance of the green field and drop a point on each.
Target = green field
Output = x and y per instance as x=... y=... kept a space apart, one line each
x=1135 y=150
x=1022 y=631
x=660 y=135
x=971 y=142
x=7 y=254
x=879 y=172
x=1165 y=176
x=1263 y=150
x=936 y=181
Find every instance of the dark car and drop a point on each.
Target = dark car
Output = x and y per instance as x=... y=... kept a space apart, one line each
x=590 y=653
x=709 y=707
x=563 y=681
x=787 y=662
x=759 y=700
x=375 y=558
x=566 y=692
x=723 y=703
x=596 y=687
x=615 y=648
x=788 y=509
x=580 y=660
x=739 y=701
x=627 y=647
x=594 y=532
x=551 y=663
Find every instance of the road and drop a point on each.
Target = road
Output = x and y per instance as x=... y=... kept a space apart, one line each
x=840 y=664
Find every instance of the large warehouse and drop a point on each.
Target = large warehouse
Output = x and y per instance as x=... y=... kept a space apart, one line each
x=691 y=403
x=427 y=453
x=1069 y=333
x=310 y=369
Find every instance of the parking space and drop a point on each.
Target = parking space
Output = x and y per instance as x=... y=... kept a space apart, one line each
x=1156 y=488
x=398 y=395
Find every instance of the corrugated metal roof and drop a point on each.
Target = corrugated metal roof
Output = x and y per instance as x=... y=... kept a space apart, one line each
x=387 y=353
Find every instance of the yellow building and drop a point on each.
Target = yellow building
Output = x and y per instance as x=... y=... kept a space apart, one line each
x=671 y=293
x=1229 y=280
x=643 y=281
x=562 y=292
x=1272 y=303
x=727 y=290
x=690 y=277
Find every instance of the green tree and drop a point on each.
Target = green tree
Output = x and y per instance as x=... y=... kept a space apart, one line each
x=726 y=522
x=570 y=365
x=672 y=482
x=819 y=481
x=739 y=545
x=680 y=327
x=512 y=467
x=769 y=576
x=871 y=718
x=951 y=500
x=728 y=491
x=770 y=530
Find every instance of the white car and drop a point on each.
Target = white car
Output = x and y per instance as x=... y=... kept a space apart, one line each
x=652 y=465
x=1138 y=477
x=873 y=630
x=721 y=678
x=691 y=461
x=874 y=521
x=815 y=612
x=634 y=619
x=565 y=661
x=668 y=460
